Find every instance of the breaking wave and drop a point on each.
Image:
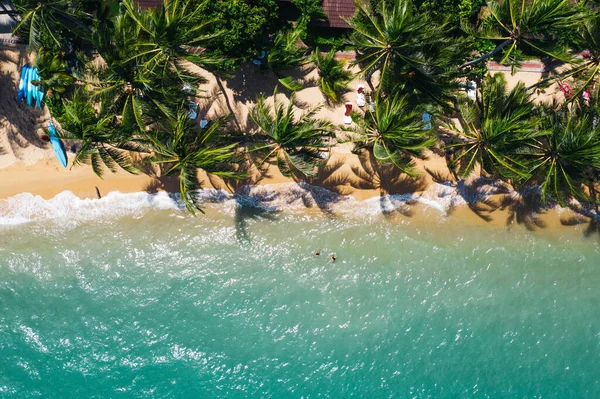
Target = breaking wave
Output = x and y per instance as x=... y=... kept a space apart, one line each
x=66 y=206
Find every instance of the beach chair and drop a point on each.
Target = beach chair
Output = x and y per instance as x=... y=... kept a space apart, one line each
x=566 y=90
x=259 y=60
x=193 y=110
x=586 y=95
x=371 y=104
x=187 y=88
x=360 y=96
x=347 y=117
x=427 y=121
x=472 y=90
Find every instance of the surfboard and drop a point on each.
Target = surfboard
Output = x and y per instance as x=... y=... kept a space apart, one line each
x=57 y=145
x=23 y=83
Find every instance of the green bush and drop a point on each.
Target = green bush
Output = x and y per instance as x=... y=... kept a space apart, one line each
x=244 y=24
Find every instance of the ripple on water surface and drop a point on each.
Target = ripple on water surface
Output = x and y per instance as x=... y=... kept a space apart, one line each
x=225 y=305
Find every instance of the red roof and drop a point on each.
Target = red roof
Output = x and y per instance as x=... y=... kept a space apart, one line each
x=149 y=3
x=335 y=9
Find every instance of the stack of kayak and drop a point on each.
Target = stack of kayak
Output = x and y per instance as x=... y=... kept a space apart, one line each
x=29 y=88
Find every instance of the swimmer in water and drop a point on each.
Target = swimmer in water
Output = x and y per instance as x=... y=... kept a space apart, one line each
x=333 y=258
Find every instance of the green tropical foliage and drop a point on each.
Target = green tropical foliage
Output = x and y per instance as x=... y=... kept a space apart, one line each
x=587 y=69
x=309 y=10
x=411 y=52
x=567 y=158
x=296 y=145
x=333 y=76
x=521 y=23
x=286 y=54
x=102 y=145
x=49 y=23
x=184 y=150
x=394 y=132
x=54 y=76
x=457 y=10
x=124 y=84
x=176 y=32
x=491 y=130
x=244 y=23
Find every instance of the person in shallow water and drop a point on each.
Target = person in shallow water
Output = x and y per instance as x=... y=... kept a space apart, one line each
x=333 y=258
x=318 y=253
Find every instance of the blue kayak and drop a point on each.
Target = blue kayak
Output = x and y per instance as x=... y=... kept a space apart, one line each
x=40 y=97
x=57 y=145
x=37 y=89
x=29 y=86
x=23 y=83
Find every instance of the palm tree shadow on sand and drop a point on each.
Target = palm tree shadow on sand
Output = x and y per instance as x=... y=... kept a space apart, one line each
x=24 y=121
x=524 y=208
x=388 y=180
x=584 y=215
x=485 y=196
x=593 y=224
x=323 y=190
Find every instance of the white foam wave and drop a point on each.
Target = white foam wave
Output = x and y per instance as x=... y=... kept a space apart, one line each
x=24 y=208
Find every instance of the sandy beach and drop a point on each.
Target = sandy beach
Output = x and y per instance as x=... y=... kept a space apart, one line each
x=28 y=164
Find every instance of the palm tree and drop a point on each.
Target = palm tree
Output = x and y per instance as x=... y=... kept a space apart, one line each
x=184 y=150
x=410 y=51
x=588 y=39
x=102 y=144
x=491 y=130
x=296 y=146
x=567 y=158
x=309 y=10
x=125 y=85
x=172 y=34
x=286 y=53
x=48 y=23
x=521 y=22
x=394 y=133
x=333 y=77
x=54 y=76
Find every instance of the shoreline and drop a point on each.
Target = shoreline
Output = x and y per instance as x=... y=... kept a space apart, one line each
x=437 y=206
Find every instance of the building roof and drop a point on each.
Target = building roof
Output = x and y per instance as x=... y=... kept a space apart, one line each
x=336 y=9
x=149 y=3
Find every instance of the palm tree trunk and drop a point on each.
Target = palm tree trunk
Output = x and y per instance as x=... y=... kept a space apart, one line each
x=229 y=107
x=488 y=55
x=592 y=189
x=368 y=79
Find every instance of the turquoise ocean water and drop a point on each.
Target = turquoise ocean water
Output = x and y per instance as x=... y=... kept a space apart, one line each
x=148 y=302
